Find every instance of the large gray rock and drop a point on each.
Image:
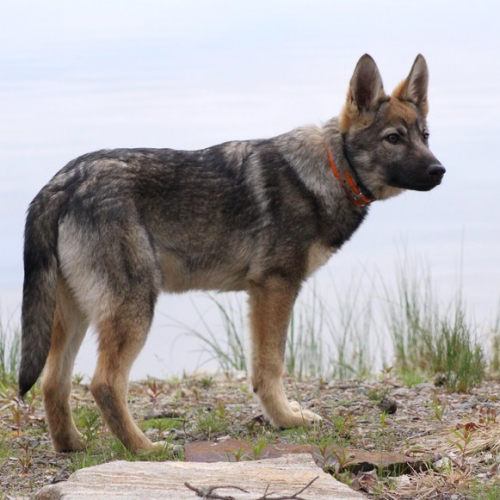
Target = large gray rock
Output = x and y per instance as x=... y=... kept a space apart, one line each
x=166 y=480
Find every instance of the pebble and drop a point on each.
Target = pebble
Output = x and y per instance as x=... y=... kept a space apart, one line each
x=468 y=405
x=162 y=414
x=401 y=392
x=388 y=404
x=177 y=434
x=424 y=387
x=335 y=384
x=440 y=379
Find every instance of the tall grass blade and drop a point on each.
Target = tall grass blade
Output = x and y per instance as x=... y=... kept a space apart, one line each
x=10 y=349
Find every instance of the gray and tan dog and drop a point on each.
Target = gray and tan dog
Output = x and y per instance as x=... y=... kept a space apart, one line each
x=115 y=228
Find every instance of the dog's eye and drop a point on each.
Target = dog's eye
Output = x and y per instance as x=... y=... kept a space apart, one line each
x=393 y=138
x=425 y=136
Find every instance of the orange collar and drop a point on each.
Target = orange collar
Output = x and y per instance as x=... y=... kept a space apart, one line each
x=354 y=193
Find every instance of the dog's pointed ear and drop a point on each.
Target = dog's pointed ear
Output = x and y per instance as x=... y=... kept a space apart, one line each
x=365 y=89
x=414 y=88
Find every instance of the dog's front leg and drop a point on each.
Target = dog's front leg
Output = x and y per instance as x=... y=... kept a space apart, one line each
x=270 y=310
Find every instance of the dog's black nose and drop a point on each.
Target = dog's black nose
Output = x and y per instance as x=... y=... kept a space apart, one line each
x=436 y=170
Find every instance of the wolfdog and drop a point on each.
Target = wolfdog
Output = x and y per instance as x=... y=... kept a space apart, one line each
x=114 y=228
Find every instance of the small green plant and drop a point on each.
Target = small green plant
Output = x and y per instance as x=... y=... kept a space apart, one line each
x=334 y=460
x=238 y=455
x=382 y=434
x=383 y=422
x=155 y=389
x=258 y=447
x=377 y=394
x=88 y=420
x=16 y=419
x=343 y=425
x=344 y=460
x=411 y=378
x=438 y=409
x=25 y=458
x=464 y=434
x=207 y=382
x=211 y=422
x=345 y=477
x=162 y=425
x=325 y=453
x=32 y=399
x=78 y=378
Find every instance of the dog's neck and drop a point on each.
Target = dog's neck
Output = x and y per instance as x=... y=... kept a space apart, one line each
x=375 y=190
x=342 y=168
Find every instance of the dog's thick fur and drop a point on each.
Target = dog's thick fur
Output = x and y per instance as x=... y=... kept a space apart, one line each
x=114 y=228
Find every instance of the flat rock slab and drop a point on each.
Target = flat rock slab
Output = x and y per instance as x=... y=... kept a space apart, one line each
x=285 y=476
x=232 y=450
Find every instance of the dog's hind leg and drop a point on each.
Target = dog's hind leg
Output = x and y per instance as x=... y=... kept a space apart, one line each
x=68 y=331
x=121 y=338
x=270 y=310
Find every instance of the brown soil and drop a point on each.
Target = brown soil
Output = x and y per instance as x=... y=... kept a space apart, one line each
x=428 y=423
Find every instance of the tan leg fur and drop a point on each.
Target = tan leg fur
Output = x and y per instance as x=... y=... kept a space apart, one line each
x=68 y=332
x=270 y=310
x=121 y=338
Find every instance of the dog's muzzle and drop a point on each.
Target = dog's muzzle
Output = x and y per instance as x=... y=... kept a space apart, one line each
x=436 y=172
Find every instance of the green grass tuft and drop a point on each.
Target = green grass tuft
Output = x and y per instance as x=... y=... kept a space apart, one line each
x=10 y=350
x=345 y=341
x=429 y=342
x=229 y=352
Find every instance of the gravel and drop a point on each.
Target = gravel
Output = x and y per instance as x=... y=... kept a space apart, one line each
x=419 y=420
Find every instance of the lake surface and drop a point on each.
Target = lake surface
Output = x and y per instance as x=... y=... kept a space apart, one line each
x=86 y=76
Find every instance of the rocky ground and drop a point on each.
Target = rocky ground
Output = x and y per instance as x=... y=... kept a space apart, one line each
x=456 y=436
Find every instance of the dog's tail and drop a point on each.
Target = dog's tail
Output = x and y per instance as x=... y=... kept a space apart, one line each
x=40 y=282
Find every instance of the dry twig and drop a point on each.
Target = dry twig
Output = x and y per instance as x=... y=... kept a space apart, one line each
x=209 y=493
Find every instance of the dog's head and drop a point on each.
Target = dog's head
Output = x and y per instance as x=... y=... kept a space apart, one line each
x=386 y=137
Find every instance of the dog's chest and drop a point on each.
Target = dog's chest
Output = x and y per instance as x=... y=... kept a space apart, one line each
x=318 y=255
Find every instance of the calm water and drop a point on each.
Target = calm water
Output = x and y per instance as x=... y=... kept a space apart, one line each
x=80 y=77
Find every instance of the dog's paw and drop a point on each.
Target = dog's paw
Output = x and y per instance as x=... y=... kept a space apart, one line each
x=310 y=417
x=74 y=444
x=300 y=417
